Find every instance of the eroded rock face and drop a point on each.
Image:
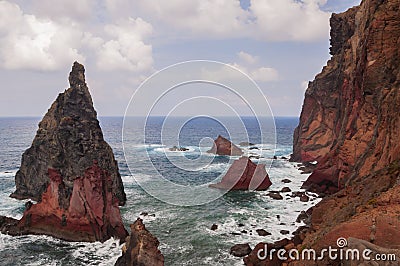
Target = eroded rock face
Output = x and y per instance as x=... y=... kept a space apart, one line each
x=349 y=121
x=244 y=175
x=222 y=146
x=68 y=140
x=141 y=248
x=92 y=214
x=72 y=173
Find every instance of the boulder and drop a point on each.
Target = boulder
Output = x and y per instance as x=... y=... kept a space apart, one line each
x=222 y=146
x=275 y=196
x=240 y=250
x=244 y=175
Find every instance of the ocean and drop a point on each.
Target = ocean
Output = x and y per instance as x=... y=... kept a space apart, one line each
x=180 y=219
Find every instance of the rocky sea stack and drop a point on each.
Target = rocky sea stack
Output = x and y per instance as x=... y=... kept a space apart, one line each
x=140 y=248
x=244 y=175
x=223 y=146
x=72 y=173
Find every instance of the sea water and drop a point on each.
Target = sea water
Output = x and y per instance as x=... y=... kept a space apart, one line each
x=183 y=231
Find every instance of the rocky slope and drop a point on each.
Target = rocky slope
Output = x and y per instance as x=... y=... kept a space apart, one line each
x=244 y=175
x=72 y=173
x=141 y=248
x=69 y=139
x=349 y=121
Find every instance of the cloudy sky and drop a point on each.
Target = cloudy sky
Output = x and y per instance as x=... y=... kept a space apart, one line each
x=280 y=44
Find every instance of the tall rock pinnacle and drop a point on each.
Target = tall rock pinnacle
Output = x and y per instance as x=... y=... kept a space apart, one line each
x=69 y=139
x=71 y=171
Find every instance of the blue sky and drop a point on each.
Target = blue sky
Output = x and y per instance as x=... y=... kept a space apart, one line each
x=281 y=44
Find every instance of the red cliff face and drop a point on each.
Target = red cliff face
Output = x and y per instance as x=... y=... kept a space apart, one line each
x=349 y=121
x=244 y=175
x=92 y=214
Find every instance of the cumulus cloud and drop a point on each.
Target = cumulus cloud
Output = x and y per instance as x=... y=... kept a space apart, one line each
x=50 y=42
x=268 y=20
x=248 y=65
x=29 y=42
x=126 y=49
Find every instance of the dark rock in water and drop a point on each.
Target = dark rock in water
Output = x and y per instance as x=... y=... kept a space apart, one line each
x=304 y=198
x=243 y=232
x=240 y=225
x=71 y=171
x=286 y=189
x=214 y=227
x=222 y=146
x=303 y=217
x=284 y=158
x=244 y=144
x=286 y=181
x=253 y=148
x=275 y=196
x=235 y=234
x=262 y=232
x=175 y=148
x=240 y=250
x=244 y=175
x=141 y=248
x=275 y=158
x=144 y=214
x=284 y=232
x=68 y=140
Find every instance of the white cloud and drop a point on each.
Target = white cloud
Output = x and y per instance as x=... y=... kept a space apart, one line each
x=267 y=20
x=249 y=66
x=126 y=50
x=78 y=10
x=290 y=19
x=264 y=74
x=247 y=58
x=45 y=43
x=28 y=42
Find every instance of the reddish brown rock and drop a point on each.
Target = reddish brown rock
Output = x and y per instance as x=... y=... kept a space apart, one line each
x=350 y=122
x=71 y=171
x=141 y=248
x=244 y=175
x=222 y=146
x=92 y=215
x=69 y=139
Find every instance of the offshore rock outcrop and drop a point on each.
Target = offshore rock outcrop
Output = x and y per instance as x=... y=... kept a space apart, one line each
x=141 y=248
x=69 y=139
x=244 y=175
x=223 y=146
x=71 y=171
x=349 y=121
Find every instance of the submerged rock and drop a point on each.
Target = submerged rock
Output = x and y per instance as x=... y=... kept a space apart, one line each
x=141 y=248
x=71 y=171
x=244 y=175
x=222 y=146
x=176 y=148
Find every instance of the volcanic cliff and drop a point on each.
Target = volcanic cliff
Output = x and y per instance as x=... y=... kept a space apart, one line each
x=350 y=126
x=71 y=171
x=349 y=123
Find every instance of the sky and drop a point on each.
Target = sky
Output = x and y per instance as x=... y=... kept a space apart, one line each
x=280 y=44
